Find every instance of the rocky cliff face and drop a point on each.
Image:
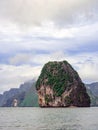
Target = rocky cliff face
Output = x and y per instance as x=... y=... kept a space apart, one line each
x=59 y=85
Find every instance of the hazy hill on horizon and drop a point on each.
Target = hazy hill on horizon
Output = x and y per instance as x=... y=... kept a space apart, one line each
x=93 y=87
x=92 y=90
x=7 y=98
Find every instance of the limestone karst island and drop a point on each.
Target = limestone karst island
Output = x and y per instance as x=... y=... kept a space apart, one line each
x=59 y=85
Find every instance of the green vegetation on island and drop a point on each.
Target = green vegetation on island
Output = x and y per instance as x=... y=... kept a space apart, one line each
x=56 y=76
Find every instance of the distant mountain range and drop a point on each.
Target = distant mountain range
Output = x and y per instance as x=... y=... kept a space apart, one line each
x=93 y=87
x=26 y=95
x=92 y=90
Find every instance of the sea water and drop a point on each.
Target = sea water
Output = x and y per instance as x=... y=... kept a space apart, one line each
x=49 y=118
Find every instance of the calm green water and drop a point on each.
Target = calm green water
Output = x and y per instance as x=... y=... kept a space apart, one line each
x=49 y=118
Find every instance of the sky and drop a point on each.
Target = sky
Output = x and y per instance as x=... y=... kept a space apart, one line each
x=33 y=32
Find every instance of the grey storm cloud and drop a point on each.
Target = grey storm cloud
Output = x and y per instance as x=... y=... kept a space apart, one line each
x=60 y=12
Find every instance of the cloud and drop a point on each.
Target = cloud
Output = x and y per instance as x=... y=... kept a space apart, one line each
x=61 y=12
x=13 y=76
x=49 y=38
x=88 y=72
x=33 y=32
x=36 y=59
x=85 y=63
x=22 y=58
